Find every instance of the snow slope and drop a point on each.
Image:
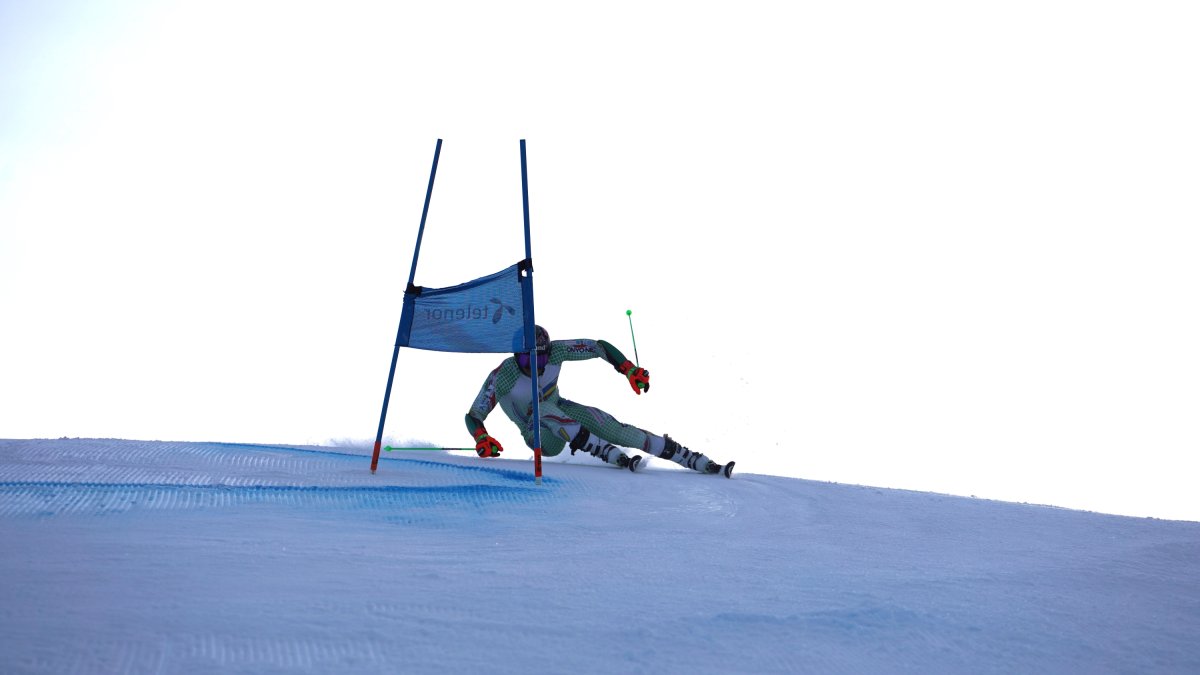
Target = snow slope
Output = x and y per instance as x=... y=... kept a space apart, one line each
x=155 y=557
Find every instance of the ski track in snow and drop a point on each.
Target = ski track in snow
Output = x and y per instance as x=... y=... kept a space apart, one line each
x=141 y=476
x=161 y=557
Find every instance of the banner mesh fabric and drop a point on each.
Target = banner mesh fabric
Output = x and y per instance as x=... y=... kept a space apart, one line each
x=486 y=315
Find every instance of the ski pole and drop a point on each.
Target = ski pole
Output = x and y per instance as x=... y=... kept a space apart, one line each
x=390 y=448
x=629 y=313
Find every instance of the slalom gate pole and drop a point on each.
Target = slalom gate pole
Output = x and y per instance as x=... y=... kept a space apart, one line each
x=387 y=393
x=529 y=323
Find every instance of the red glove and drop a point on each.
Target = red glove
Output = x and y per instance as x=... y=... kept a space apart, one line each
x=486 y=446
x=639 y=378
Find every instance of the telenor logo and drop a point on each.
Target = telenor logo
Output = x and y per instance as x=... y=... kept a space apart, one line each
x=471 y=312
x=500 y=309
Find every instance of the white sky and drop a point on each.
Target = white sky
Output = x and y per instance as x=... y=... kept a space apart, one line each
x=934 y=246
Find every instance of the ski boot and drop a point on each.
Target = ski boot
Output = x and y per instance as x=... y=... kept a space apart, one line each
x=603 y=450
x=695 y=461
x=632 y=463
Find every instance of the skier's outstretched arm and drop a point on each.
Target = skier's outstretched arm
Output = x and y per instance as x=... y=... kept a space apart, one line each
x=639 y=378
x=485 y=402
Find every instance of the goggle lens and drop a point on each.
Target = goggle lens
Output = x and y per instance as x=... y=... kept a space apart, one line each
x=523 y=360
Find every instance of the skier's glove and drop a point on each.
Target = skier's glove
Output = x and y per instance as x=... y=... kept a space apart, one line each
x=486 y=446
x=639 y=378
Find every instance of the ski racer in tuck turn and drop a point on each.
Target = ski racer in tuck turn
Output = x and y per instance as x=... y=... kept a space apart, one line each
x=565 y=422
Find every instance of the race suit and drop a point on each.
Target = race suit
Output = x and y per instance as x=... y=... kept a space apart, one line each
x=512 y=389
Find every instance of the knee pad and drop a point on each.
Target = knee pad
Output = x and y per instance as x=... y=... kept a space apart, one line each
x=670 y=447
x=581 y=440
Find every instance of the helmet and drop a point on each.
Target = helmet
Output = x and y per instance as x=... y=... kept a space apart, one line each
x=542 y=340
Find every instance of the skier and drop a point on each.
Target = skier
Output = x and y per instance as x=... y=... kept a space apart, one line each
x=565 y=422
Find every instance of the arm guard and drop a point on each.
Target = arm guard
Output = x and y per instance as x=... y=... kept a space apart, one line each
x=485 y=401
x=613 y=355
x=474 y=425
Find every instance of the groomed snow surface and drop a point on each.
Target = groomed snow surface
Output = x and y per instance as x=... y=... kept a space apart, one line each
x=127 y=556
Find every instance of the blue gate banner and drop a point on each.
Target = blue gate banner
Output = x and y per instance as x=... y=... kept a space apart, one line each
x=486 y=315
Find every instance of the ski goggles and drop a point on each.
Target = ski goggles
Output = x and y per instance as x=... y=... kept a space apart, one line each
x=523 y=360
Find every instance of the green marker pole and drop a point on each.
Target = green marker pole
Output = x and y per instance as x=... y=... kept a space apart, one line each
x=636 y=361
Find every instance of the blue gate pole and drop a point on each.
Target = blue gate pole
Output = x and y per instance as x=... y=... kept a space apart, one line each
x=529 y=322
x=387 y=394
